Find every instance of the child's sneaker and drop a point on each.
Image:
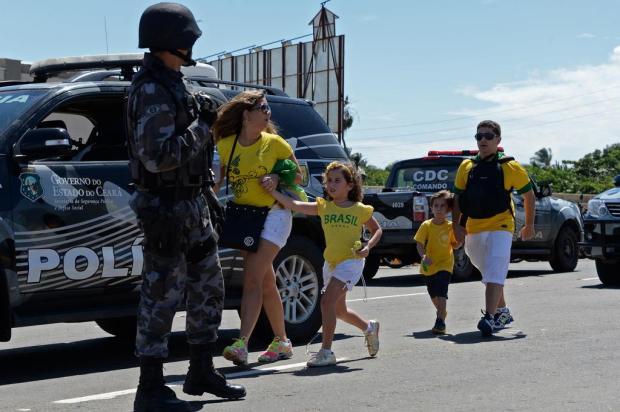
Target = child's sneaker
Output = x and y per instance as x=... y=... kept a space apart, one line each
x=278 y=349
x=439 y=328
x=486 y=325
x=503 y=317
x=324 y=357
x=372 y=338
x=237 y=353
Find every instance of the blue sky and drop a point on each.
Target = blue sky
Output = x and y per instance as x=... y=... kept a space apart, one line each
x=419 y=74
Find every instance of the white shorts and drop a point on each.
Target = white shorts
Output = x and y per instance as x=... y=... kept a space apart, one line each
x=490 y=253
x=278 y=225
x=348 y=272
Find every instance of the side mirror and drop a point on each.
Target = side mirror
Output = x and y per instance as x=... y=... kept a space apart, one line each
x=544 y=190
x=617 y=181
x=43 y=143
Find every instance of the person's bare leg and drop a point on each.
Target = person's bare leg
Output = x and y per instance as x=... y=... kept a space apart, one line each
x=440 y=304
x=493 y=293
x=348 y=315
x=328 y=311
x=272 y=304
x=254 y=269
x=502 y=301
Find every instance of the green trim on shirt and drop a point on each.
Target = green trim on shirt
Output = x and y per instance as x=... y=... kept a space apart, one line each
x=525 y=188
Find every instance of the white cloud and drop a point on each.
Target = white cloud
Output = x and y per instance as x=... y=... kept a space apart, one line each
x=574 y=111
x=586 y=36
x=571 y=110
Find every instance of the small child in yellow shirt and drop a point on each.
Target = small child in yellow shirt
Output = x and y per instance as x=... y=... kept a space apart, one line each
x=342 y=217
x=435 y=241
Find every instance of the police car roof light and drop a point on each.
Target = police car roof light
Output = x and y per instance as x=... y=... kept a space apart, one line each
x=42 y=70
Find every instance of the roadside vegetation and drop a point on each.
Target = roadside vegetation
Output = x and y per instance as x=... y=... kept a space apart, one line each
x=591 y=174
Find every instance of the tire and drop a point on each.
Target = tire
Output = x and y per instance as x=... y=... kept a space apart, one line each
x=608 y=272
x=463 y=268
x=371 y=267
x=565 y=254
x=299 y=278
x=122 y=328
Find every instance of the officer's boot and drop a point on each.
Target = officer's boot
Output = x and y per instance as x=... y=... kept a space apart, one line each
x=153 y=395
x=203 y=377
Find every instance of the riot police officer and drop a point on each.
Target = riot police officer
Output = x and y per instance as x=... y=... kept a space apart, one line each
x=170 y=149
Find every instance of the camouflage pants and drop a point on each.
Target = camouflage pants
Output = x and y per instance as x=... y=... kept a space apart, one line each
x=193 y=275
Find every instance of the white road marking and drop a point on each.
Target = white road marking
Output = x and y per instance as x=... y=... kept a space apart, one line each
x=101 y=396
x=596 y=278
x=257 y=371
x=387 y=297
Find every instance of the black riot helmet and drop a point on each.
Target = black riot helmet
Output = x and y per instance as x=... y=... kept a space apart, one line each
x=169 y=26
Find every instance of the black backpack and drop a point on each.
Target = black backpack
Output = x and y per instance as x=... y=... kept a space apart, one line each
x=485 y=195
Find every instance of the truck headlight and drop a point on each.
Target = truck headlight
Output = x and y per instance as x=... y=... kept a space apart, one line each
x=597 y=208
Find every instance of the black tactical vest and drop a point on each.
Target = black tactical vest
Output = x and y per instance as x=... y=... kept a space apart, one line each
x=484 y=194
x=196 y=173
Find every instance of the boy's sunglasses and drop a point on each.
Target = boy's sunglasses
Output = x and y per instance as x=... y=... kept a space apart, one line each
x=488 y=136
x=264 y=107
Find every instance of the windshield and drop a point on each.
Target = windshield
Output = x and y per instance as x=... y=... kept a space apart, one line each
x=426 y=179
x=14 y=103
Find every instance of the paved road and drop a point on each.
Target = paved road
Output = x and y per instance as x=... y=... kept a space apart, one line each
x=560 y=355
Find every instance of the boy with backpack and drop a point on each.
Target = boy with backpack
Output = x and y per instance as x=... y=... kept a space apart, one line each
x=483 y=188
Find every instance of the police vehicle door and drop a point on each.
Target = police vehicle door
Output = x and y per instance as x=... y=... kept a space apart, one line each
x=73 y=225
x=542 y=218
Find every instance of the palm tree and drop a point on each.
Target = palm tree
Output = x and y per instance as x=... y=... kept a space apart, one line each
x=542 y=158
x=358 y=160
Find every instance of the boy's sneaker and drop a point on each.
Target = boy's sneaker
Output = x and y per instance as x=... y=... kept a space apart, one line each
x=503 y=317
x=278 y=349
x=372 y=338
x=237 y=353
x=324 y=357
x=486 y=325
x=439 y=328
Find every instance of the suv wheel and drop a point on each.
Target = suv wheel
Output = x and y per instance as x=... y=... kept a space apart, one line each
x=565 y=251
x=463 y=268
x=608 y=272
x=298 y=269
x=371 y=267
x=122 y=328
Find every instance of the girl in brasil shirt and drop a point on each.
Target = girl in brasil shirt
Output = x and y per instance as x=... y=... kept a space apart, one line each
x=342 y=217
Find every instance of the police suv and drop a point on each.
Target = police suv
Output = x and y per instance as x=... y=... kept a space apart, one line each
x=70 y=249
x=404 y=204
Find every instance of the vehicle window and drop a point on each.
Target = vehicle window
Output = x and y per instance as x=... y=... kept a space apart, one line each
x=427 y=179
x=96 y=125
x=14 y=103
x=295 y=120
x=78 y=126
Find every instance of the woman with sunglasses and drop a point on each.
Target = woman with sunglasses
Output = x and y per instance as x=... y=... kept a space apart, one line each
x=244 y=128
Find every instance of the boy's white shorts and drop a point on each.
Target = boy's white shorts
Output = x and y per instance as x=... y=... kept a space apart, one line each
x=348 y=272
x=278 y=225
x=490 y=253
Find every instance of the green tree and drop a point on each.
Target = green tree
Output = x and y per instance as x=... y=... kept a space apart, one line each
x=593 y=173
x=542 y=158
x=358 y=160
x=347 y=116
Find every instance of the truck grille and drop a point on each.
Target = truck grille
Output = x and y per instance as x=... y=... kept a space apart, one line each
x=614 y=208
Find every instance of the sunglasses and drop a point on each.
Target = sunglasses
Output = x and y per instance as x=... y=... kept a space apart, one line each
x=264 y=107
x=488 y=136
